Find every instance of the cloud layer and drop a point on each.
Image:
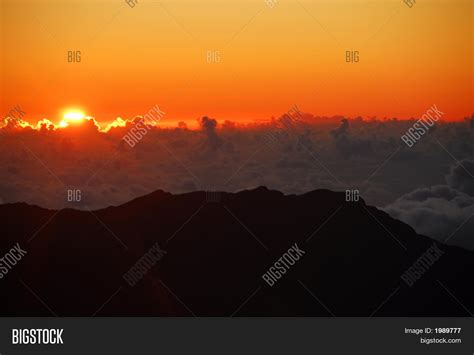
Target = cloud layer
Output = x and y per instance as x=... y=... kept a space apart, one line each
x=423 y=185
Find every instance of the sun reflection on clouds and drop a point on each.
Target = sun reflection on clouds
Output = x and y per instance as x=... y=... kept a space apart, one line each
x=72 y=119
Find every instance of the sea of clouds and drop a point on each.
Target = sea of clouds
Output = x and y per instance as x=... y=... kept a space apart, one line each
x=429 y=186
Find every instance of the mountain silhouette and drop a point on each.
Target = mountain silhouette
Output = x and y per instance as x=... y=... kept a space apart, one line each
x=218 y=245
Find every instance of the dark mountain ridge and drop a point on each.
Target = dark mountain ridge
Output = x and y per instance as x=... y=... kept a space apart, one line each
x=218 y=245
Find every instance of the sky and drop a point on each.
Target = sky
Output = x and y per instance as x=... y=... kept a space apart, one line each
x=270 y=56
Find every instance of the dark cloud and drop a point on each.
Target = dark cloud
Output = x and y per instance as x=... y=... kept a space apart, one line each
x=209 y=126
x=342 y=129
x=461 y=177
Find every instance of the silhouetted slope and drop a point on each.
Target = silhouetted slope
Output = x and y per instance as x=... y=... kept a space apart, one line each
x=218 y=246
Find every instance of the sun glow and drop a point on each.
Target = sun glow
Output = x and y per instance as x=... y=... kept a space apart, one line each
x=73 y=116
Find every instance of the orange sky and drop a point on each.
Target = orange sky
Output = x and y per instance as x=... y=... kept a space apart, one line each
x=270 y=58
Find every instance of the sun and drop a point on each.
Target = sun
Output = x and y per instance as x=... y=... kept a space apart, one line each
x=71 y=116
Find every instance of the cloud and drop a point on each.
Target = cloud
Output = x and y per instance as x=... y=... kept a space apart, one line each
x=209 y=125
x=461 y=177
x=342 y=129
x=444 y=212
